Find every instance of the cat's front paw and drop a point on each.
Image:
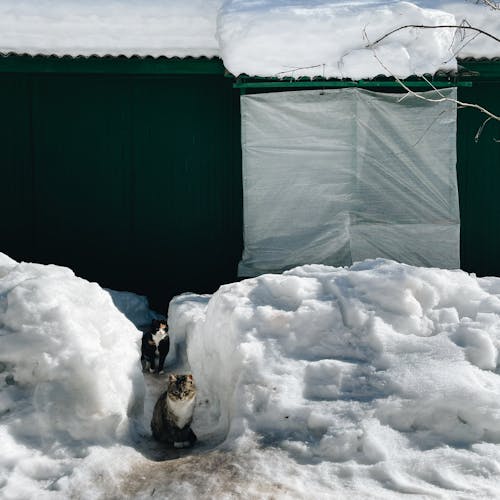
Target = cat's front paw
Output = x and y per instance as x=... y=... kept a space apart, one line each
x=182 y=444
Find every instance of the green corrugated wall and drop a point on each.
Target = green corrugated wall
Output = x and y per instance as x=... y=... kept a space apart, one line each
x=129 y=171
x=133 y=181
x=478 y=169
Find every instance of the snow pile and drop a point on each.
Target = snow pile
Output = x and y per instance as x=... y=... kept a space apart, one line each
x=382 y=377
x=70 y=374
x=289 y=38
x=369 y=382
x=265 y=38
x=184 y=312
x=115 y=27
x=470 y=43
x=135 y=307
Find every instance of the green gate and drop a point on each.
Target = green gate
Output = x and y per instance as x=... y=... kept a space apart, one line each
x=130 y=176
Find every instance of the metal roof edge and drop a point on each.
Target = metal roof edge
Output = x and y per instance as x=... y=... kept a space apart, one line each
x=480 y=59
x=16 y=62
x=12 y=62
x=440 y=79
x=469 y=70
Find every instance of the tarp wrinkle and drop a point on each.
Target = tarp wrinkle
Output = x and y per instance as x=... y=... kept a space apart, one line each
x=338 y=176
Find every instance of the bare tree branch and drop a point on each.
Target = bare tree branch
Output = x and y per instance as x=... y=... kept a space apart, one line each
x=489 y=3
x=441 y=98
x=463 y=41
x=437 y=26
x=480 y=130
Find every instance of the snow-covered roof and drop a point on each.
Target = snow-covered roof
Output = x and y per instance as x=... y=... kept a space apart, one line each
x=264 y=37
x=116 y=27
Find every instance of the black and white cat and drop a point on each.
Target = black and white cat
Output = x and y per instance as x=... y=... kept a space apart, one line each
x=173 y=413
x=155 y=342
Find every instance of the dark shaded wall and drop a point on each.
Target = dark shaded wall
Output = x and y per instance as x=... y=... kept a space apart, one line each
x=129 y=171
x=478 y=170
x=132 y=180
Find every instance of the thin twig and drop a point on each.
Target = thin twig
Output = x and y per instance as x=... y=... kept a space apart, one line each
x=437 y=26
x=489 y=3
x=293 y=69
x=462 y=40
x=441 y=98
x=480 y=130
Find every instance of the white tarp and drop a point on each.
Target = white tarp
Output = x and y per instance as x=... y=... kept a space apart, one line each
x=338 y=176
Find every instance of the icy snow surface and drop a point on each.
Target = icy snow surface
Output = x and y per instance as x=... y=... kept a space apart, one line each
x=292 y=39
x=70 y=376
x=115 y=27
x=264 y=37
x=475 y=45
x=377 y=381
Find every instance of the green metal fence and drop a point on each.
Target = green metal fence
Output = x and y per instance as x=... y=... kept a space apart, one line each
x=132 y=180
x=478 y=168
x=129 y=171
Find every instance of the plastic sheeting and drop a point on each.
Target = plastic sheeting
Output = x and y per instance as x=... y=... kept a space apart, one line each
x=338 y=176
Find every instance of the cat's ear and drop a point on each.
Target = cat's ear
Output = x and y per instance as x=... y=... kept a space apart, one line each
x=172 y=378
x=189 y=377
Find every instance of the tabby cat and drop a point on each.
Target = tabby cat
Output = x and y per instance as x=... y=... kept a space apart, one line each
x=173 y=413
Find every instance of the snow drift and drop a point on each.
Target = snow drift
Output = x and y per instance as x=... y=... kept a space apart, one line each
x=296 y=39
x=70 y=371
x=470 y=43
x=377 y=380
x=389 y=373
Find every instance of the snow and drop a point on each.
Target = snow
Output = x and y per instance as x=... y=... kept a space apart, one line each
x=286 y=39
x=70 y=376
x=382 y=377
x=376 y=381
x=477 y=16
x=135 y=307
x=267 y=37
x=115 y=27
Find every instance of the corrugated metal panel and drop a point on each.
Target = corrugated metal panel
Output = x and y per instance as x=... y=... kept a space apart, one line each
x=16 y=200
x=132 y=181
x=481 y=69
x=478 y=171
x=24 y=63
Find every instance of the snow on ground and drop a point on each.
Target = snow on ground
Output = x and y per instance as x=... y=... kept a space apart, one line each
x=377 y=380
x=267 y=37
x=70 y=376
x=380 y=380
